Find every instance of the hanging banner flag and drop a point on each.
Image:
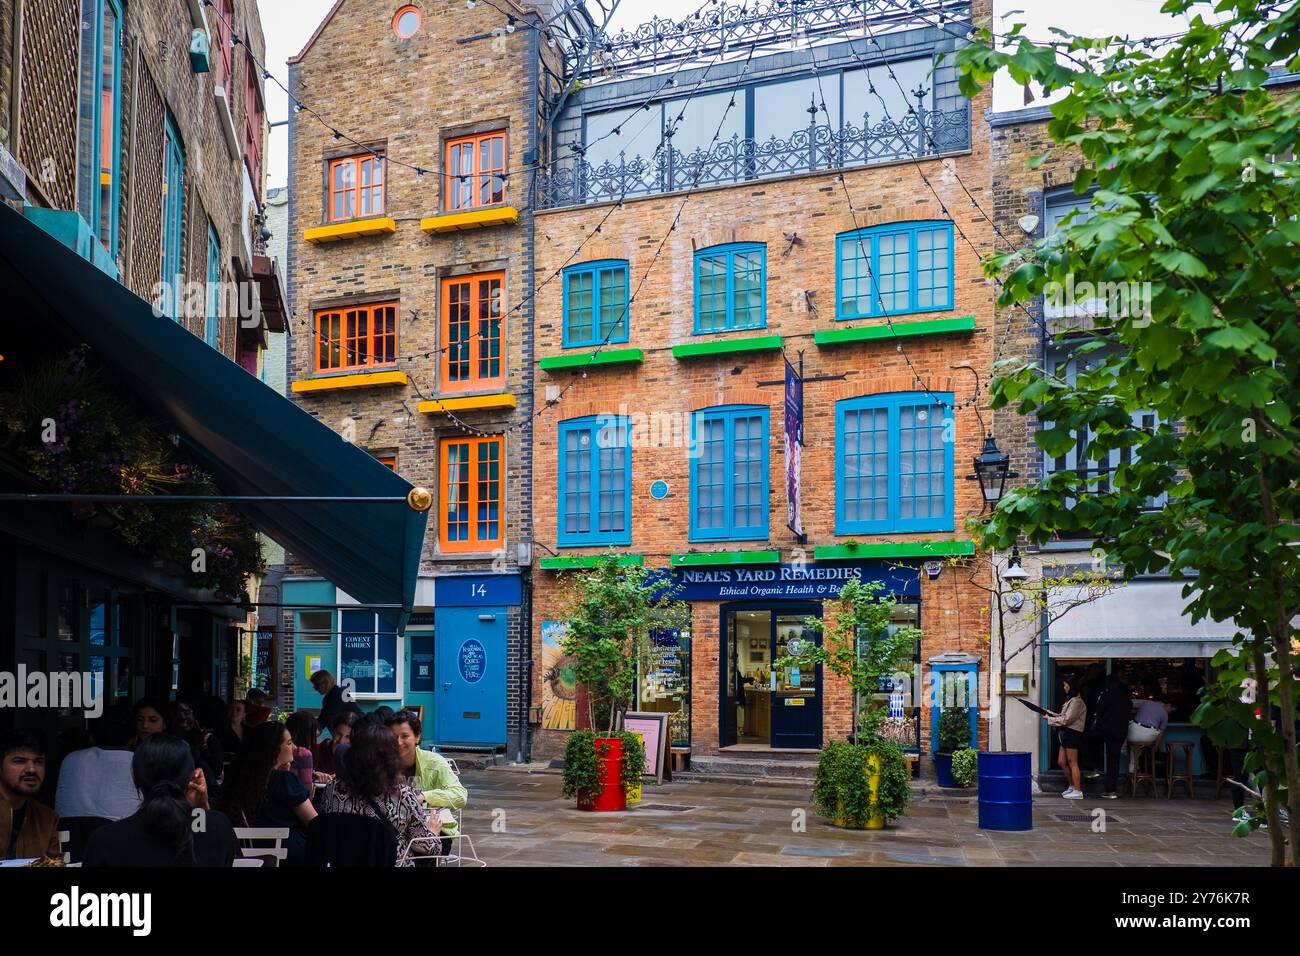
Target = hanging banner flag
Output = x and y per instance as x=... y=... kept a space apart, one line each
x=793 y=449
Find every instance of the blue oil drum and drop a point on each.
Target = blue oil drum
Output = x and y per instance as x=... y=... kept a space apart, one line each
x=1006 y=791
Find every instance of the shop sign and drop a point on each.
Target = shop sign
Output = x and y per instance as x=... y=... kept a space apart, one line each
x=792 y=582
x=471 y=660
x=476 y=590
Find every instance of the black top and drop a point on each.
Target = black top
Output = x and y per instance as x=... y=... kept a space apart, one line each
x=1114 y=710
x=332 y=703
x=128 y=843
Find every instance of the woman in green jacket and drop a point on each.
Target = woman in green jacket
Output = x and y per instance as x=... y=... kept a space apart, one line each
x=427 y=771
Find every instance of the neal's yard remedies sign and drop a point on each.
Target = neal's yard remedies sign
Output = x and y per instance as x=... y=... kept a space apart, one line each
x=809 y=581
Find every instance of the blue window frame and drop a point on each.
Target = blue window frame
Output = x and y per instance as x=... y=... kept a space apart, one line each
x=731 y=287
x=729 y=476
x=595 y=303
x=895 y=269
x=99 y=159
x=212 y=325
x=595 y=471
x=893 y=463
x=173 y=212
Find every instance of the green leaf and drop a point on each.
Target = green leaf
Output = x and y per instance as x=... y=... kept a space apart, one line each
x=1182 y=263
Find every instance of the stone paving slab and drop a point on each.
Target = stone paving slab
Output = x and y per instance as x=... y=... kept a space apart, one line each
x=729 y=823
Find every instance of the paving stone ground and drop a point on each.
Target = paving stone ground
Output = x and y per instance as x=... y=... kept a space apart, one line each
x=715 y=823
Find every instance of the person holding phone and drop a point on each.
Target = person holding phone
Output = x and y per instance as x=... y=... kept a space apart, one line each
x=1069 y=724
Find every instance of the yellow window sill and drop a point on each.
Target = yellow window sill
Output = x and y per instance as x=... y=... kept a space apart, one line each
x=360 y=380
x=337 y=231
x=474 y=219
x=470 y=403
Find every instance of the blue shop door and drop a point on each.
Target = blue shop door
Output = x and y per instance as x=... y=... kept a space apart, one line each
x=421 y=679
x=471 y=676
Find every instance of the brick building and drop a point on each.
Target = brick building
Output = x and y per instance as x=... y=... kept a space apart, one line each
x=409 y=231
x=716 y=243
x=1139 y=630
x=132 y=133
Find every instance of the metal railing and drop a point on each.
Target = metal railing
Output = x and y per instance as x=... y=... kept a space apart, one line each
x=723 y=28
x=572 y=181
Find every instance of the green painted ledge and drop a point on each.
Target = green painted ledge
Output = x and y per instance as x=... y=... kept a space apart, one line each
x=901 y=330
x=755 y=343
x=572 y=562
x=556 y=363
x=718 y=558
x=896 y=549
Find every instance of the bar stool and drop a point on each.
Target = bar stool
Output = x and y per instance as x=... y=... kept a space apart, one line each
x=1137 y=775
x=1188 y=750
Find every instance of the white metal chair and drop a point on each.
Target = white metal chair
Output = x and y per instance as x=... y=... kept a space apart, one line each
x=65 y=837
x=275 y=836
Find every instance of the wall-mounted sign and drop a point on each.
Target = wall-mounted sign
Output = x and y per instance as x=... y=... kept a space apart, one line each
x=810 y=581
x=476 y=590
x=472 y=660
x=659 y=489
x=793 y=449
x=421 y=649
x=933 y=569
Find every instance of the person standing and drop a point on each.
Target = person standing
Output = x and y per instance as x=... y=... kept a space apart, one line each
x=28 y=829
x=1069 y=724
x=332 y=701
x=1109 y=729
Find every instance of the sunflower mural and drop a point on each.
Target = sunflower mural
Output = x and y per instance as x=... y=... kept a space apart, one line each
x=559 y=689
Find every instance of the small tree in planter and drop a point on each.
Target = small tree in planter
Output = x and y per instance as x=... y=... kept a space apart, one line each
x=864 y=783
x=965 y=767
x=954 y=735
x=614 y=610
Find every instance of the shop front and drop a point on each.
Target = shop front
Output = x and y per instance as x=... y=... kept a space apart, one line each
x=451 y=664
x=745 y=621
x=1139 y=632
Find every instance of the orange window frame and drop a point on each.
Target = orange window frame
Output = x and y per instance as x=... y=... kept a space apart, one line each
x=472 y=479
x=471 y=326
x=358 y=189
x=476 y=171
x=388 y=461
x=356 y=337
x=224 y=67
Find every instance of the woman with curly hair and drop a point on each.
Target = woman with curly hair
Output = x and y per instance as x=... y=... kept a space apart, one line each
x=371 y=783
x=263 y=792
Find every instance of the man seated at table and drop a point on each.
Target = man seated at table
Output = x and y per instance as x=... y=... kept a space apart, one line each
x=97 y=781
x=1149 y=722
x=28 y=829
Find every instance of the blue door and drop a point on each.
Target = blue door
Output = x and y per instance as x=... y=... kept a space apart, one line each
x=470 y=676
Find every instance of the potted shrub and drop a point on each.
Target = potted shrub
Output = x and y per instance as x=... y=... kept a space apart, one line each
x=614 y=609
x=599 y=771
x=954 y=735
x=965 y=767
x=862 y=783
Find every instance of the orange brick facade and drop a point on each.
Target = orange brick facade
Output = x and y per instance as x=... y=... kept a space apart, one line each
x=801 y=299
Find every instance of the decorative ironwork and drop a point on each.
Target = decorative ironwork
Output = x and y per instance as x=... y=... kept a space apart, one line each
x=573 y=181
x=723 y=28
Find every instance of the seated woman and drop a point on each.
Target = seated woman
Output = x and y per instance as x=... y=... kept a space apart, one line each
x=263 y=792
x=427 y=771
x=162 y=831
x=371 y=783
x=304 y=730
x=327 y=751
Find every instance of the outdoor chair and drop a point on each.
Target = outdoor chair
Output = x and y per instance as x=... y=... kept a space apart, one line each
x=247 y=862
x=250 y=837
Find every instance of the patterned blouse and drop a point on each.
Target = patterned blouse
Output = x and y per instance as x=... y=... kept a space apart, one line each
x=404 y=808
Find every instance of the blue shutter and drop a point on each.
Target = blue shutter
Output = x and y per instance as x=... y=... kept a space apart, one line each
x=730 y=482
x=894 y=463
x=594 y=501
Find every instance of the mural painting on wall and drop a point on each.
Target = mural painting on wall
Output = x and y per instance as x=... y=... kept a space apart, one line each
x=559 y=689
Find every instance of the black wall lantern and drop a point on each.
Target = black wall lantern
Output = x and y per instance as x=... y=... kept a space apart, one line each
x=992 y=469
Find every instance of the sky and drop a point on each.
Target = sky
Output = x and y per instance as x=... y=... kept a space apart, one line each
x=288 y=24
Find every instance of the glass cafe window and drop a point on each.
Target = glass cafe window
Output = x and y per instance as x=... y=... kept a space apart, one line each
x=888 y=98
x=369 y=655
x=702 y=117
x=782 y=108
x=638 y=134
x=665 y=684
x=901 y=690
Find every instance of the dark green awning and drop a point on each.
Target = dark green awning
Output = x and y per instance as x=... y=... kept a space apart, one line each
x=253 y=440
